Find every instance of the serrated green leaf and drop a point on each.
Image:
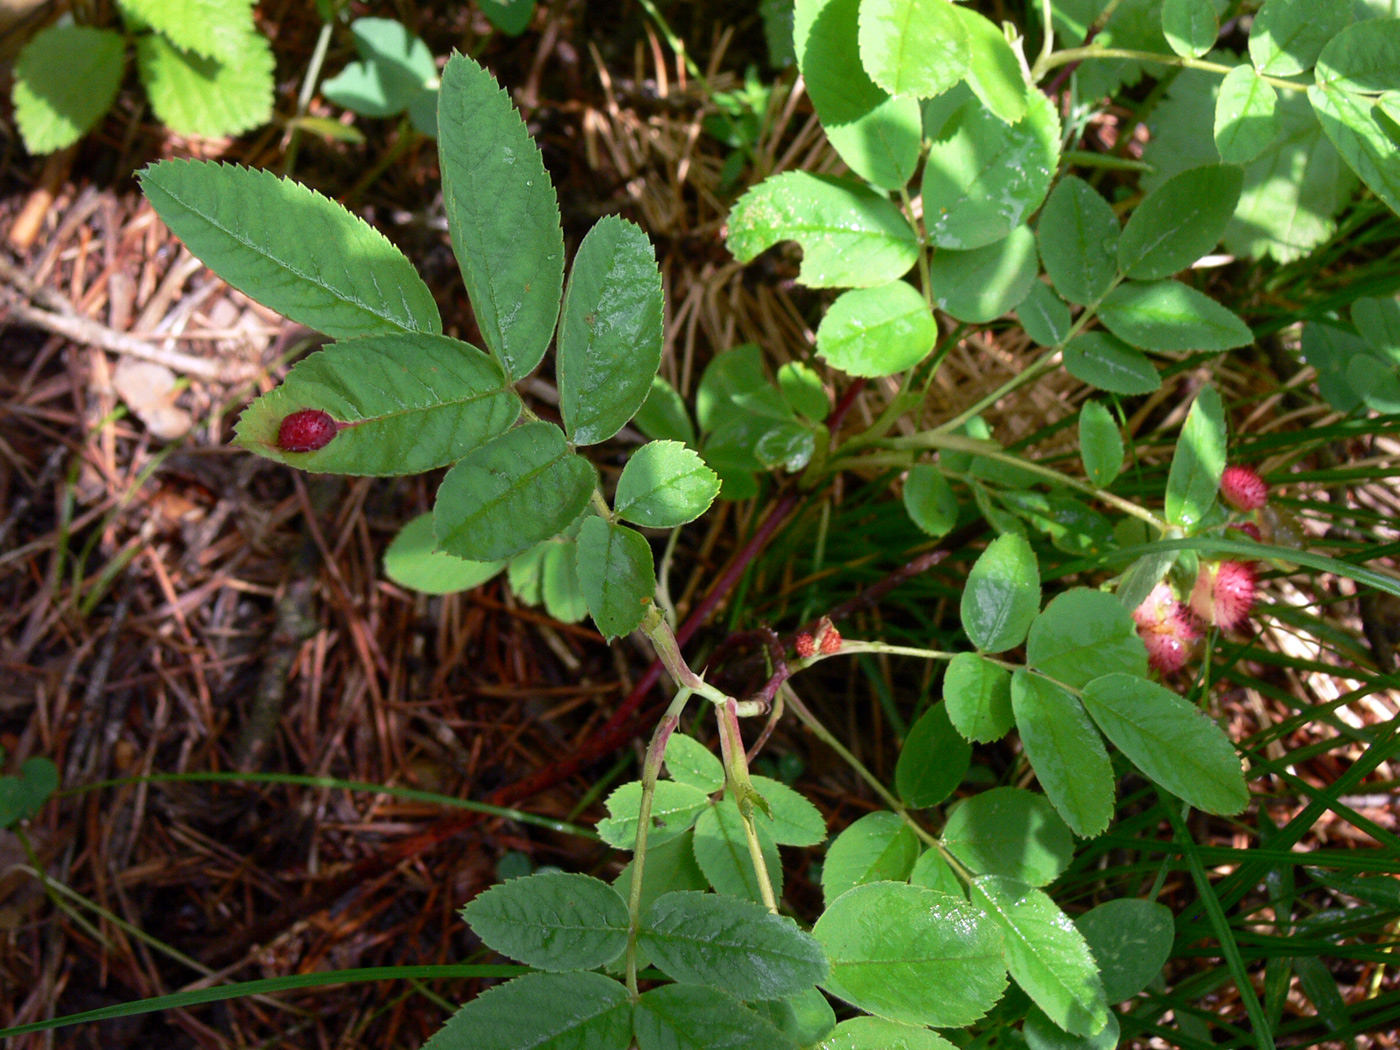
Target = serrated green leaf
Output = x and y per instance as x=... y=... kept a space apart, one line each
x=878 y=1033
x=734 y=945
x=21 y=797
x=1169 y=315
x=1065 y=751
x=690 y=762
x=932 y=761
x=877 y=847
x=1198 y=462
x=1045 y=953
x=413 y=560
x=929 y=500
x=1105 y=362
x=216 y=29
x=542 y=1011
x=693 y=1017
x=516 y=490
x=1009 y=831
x=664 y=484
x=1179 y=221
x=983 y=177
x=1286 y=36
x=978 y=695
x=993 y=70
x=877 y=135
x=554 y=921
x=1078 y=235
x=850 y=237
x=1001 y=595
x=525 y=572
x=877 y=331
x=1130 y=940
x=407 y=403
x=617 y=574
x=674 y=808
x=559 y=587
x=663 y=416
x=913 y=47
x=805 y=1018
x=932 y=871
x=1190 y=26
x=610 y=331
x=193 y=95
x=1044 y=316
x=793 y=821
x=1330 y=351
x=1349 y=121
x=911 y=954
x=53 y=108
x=344 y=279
x=1100 y=444
x=1244 y=115
x=1365 y=56
x=1378 y=322
x=1072 y=525
x=734 y=379
x=670 y=868
x=503 y=216
x=803 y=390
x=1083 y=634
x=1170 y=740
x=722 y=851
x=981 y=285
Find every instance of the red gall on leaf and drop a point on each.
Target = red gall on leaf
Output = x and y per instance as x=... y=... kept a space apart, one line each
x=306 y=431
x=1243 y=488
x=1224 y=593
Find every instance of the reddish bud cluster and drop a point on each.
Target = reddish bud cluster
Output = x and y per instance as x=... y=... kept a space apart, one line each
x=806 y=646
x=306 y=431
x=1243 y=488
x=830 y=641
x=1166 y=630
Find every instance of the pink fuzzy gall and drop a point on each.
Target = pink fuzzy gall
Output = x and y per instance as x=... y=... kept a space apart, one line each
x=1224 y=593
x=1243 y=488
x=1165 y=630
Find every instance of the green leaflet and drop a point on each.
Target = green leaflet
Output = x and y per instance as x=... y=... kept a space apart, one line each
x=692 y=1015
x=674 y=808
x=609 y=332
x=794 y=820
x=877 y=135
x=414 y=561
x=542 y=1011
x=929 y=500
x=394 y=73
x=503 y=216
x=912 y=954
x=1010 y=831
x=994 y=71
x=511 y=17
x=518 y=489
x=1179 y=221
x=1190 y=26
x=978 y=695
x=1083 y=634
x=663 y=414
x=932 y=761
x=1100 y=444
x=983 y=177
x=877 y=847
x=1044 y=316
x=850 y=237
x=980 y=285
x=1065 y=751
x=1244 y=115
x=1107 y=363
x=617 y=574
x=1287 y=35
x=21 y=797
x=732 y=944
x=1170 y=740
x=691 y=763
x=408 y=403
x=216 y=29
x=913 y=47
x=53 y=108
x=203 y=96
x=1350 y=123
x=335 y=274
x=1047 y=956
x=877 y=331
x=1169 y=315
x=1363 y=57
x=722 y=852
x=1078 y=235
x=1199 y=461
x=1002 y=595
x=878 y=1033
x=554 y=921
x=1131 y=941
x=803 y=390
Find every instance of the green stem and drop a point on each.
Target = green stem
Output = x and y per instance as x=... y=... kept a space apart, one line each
x=736 y=775
x=1079 y=54
x=668 y=650
x=1047 y=46
x=651 y=771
